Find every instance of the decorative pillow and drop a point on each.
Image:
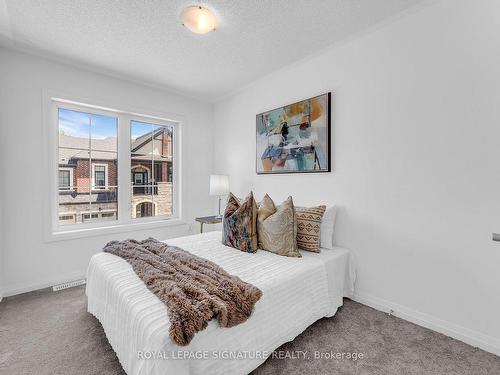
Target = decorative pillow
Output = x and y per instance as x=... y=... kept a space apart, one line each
x=327 y=227
x=309 y=227
x=240 y=224
x=276 y=227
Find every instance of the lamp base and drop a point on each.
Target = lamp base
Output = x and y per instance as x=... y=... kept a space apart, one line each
x=219 y=216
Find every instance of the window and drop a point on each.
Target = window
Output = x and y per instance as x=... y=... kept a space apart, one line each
x=66 y=219
x=65 y=178
x=138 y=178
x=101 y=215
x=88 y=149
x=87 y=217
x=144 y=209
x=100 y=176
x=151 y=160
x=100 y=182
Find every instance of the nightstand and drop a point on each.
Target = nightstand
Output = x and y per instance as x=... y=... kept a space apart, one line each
x=208 y=220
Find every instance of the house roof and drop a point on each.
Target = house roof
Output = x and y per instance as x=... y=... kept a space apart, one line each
x=78 y=148
x=71 y=147
x=141 y=141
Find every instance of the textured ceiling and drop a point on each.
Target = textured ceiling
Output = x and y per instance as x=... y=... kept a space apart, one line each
x=143 y=39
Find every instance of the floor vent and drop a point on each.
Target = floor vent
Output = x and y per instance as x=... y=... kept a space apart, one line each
x=67 y=285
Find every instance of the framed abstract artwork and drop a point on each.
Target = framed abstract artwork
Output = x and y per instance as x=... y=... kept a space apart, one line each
x=295 y=138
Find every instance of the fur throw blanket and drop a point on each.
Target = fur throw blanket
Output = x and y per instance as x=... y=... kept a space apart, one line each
x=194 y=289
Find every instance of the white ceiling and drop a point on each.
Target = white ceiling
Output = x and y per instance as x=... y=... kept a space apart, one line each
x=143 y=40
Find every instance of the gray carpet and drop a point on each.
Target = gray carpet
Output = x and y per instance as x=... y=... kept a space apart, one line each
x=49 y=332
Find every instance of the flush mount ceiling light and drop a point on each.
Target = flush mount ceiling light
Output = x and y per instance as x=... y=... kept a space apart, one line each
x=198 y=19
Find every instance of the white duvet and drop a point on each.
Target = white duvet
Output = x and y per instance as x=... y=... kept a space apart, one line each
x=296 y=293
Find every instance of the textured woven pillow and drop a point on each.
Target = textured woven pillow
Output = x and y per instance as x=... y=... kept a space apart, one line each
x=276 y=227
x=309 y=227
x=240 y=224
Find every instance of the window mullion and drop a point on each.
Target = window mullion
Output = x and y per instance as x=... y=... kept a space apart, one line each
x=124 y=167
x=91 y=171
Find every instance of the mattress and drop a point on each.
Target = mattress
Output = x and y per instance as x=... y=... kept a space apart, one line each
x=296 y=293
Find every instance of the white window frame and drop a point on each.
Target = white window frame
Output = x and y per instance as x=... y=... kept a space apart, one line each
x=71 y=186
x=124 y=222
x=106 y=185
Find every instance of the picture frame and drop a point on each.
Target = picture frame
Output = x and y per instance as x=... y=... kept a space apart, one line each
x=295 y=138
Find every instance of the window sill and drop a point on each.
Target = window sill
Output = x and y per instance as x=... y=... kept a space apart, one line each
x=70 y=234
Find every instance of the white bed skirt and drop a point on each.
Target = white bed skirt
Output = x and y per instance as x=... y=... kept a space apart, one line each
x=296 y=293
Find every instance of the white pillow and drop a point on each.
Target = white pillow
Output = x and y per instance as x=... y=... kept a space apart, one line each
x=327 y=227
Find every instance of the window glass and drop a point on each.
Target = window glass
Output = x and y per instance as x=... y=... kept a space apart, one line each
x=151 y=169
x=100 y=176
x=87 y=145
x=88 y=160
x=64 y=179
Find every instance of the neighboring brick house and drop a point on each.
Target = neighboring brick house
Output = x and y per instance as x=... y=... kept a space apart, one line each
x=152 y=174
x=88 y=180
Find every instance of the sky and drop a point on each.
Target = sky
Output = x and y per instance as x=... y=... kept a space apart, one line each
x=140 y=128
x=77 y=124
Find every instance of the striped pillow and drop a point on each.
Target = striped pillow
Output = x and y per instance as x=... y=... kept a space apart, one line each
x=309 y=227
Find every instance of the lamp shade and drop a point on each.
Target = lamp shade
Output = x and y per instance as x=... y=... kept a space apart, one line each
x=219 y=184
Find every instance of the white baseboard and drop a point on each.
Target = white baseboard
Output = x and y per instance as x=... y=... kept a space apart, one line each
x=471 y=337
x=29 y=287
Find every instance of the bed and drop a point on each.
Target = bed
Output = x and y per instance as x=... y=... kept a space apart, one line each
x=296 y=293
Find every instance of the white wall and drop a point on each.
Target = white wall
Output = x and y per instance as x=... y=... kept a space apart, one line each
x=28 y=261
x=416 y=122
x=1 y=240
x=2 y=146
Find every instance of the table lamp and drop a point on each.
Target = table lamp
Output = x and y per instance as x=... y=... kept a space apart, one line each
x=219 y=186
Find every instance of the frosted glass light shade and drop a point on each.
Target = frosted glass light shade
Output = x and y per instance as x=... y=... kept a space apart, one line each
x=198 y=19
x=219 y=185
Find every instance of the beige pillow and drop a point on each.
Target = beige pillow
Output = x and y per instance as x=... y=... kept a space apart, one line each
x=276 y=227
x=309 y=227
